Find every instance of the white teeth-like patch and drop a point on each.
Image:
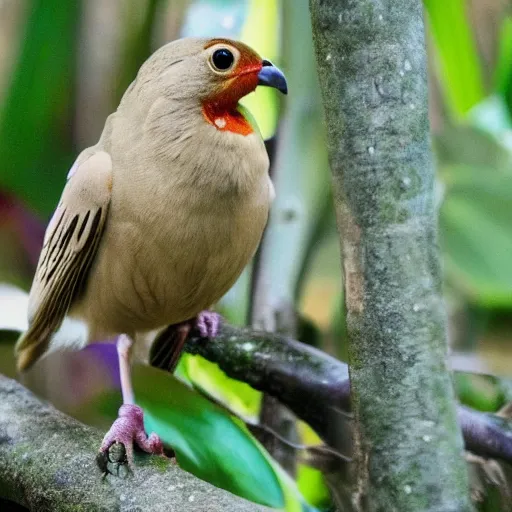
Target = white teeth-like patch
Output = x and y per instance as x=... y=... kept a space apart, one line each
x=220 y=122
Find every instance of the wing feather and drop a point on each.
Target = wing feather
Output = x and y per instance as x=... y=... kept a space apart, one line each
x=70 y=245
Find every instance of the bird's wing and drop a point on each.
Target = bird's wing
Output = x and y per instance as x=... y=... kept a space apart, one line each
x=69 y=248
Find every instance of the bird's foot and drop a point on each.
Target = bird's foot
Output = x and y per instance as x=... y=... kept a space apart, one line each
x=127 y=430
x=208 y=324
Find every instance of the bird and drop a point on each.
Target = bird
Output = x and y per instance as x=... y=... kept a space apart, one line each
x=158 y=219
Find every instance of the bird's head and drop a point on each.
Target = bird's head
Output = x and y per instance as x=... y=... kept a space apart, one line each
x=213 y=74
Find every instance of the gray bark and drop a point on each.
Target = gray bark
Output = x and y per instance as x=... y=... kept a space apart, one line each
x=47 y=464
x=372 y=68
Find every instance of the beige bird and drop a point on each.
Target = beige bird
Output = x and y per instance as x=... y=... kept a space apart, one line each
x=159 y=218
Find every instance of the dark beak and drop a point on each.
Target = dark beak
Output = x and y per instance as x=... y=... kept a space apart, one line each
x=272 y=77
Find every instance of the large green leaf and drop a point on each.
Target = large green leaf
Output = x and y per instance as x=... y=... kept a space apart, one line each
x=476 y=233
x=460 y=72
x=35 y=123
x=238 y=396
x=207 y=441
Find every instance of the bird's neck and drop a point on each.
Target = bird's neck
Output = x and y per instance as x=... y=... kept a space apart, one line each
x=227 y=117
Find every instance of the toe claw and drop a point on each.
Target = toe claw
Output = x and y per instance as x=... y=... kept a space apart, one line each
x=117 y=445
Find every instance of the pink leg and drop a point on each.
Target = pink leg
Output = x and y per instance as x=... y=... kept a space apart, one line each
x=129 y=426
x=208 y=324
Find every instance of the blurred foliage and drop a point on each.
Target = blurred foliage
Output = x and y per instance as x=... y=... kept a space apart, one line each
x=40 y=120
x=36 y=117
x=480 y=392
x=461 y=73
x=503 y=73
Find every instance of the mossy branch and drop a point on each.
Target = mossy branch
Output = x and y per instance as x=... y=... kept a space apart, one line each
x=316 y=386
x=47 y=464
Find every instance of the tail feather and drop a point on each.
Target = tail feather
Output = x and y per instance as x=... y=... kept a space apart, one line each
x=26 y=357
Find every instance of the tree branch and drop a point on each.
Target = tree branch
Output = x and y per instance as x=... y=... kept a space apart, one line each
x=311 y=383
x=315 y=386
x=47 y=463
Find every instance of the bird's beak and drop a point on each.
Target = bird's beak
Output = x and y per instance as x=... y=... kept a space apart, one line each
x=272 y=76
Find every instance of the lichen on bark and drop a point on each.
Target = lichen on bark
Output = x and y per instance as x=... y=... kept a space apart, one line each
x=372 y=67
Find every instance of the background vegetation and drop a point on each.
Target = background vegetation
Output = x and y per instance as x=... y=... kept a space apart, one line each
x=63 y=69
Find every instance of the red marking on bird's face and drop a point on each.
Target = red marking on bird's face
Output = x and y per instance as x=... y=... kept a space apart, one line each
x=220 y=109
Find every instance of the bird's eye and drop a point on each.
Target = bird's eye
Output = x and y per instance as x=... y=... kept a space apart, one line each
x=222 y=59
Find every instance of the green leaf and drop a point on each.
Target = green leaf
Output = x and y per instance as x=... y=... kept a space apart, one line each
x=36 y=147
x=237 y=396
x=478 y=391
x=460 y=72
x=476 y=233
x=503 y=72
x=207 y=441
x=310 y=481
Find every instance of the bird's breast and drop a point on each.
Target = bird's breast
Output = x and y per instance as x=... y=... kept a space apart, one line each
x=187 y=213
x=163 y=261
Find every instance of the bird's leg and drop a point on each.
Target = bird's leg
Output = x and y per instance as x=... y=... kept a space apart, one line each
x=129 y=426
x=167 y=348
x=124 y=347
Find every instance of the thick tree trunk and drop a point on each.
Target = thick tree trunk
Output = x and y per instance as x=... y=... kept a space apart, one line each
x=372 y=66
